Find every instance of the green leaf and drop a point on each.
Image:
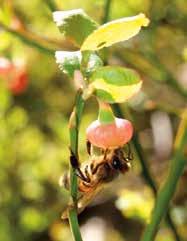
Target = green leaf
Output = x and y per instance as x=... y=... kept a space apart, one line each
x=115 y=84
x=115 y=31
x=75 y=24
x=68 y=61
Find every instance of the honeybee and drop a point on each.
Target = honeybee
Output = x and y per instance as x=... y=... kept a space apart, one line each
x=96 y=172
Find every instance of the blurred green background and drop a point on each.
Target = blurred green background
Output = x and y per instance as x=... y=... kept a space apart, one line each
x=34 y=134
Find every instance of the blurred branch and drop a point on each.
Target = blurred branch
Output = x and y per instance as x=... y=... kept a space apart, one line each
x=145 y=169
x=169 y=78
x=135 y=141
x=106 y=11
x=105 y=19
x=150 y=66
x=166 y=192
x=28 y=40
x=52 y=5
x=169 y=109
x=74 y=124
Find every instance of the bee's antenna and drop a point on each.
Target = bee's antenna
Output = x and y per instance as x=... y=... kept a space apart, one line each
x=88 y=147
x=130 y=154
x=105 y=153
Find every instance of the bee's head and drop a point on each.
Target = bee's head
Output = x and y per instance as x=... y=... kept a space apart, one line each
x=121 y=165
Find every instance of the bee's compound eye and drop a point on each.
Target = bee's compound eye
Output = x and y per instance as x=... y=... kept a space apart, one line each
x=116 y=163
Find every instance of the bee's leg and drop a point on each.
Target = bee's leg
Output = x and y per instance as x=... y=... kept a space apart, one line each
x=83 y=177
x=130 y=154
x=87 y=174
x=105 y=153
x=95 y=168
x=75 y=164
x=89 y=147
x=74 y=160
x=92 y=167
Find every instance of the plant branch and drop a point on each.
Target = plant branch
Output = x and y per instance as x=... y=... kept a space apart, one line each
x=149 y=65
x=27 y=40
x=104 y=20
x=52 y=5
x=151 y=183
x=74 y=124
x=106 y=11
x=167 y=191
x=145 y=169
x=169 y=78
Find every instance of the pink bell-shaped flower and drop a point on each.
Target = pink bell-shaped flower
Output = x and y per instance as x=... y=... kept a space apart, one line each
x=109 y=132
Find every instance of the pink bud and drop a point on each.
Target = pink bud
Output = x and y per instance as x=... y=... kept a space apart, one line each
x=111 y=135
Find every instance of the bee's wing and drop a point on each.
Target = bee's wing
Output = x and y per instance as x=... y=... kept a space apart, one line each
x=84 y=200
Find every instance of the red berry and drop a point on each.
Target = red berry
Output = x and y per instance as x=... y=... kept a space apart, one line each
x=111 y=135
x=15 y=76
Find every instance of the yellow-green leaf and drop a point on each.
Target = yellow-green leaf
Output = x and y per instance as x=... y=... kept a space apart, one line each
x=75 y=24
x=114 y=84
x=115 y=31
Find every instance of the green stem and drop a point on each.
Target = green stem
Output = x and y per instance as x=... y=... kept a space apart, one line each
x=74 y=124
x=106 y=11
x=150 y=181
x=145 y=169
x=28 y=40
x=105 y=19
x=168 y=189
x=74 y=225
x=52 y=5
x=106 y=115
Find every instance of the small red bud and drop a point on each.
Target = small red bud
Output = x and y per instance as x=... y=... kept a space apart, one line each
x=111 y=135
x=15 y=76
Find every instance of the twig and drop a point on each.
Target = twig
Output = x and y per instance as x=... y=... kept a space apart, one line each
x=151 y=62
x=166 y=192
x=145 y=169
x=74 y=124
x=105 y=19
x=28 y=40
x=74 y=225
x=152 y=184
x=106 y=11
x=169 y=78
x=52 y=5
